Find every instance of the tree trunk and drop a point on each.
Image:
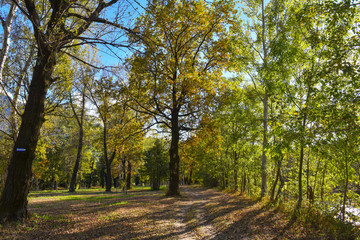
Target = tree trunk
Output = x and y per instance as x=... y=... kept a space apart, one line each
x=108 y=172
x=282 y=183
x=91 y=174
x=13 y=203
x=108 y=161
x=255 y=178
x=77 y=161
x=128 y=176
x=81 y=137
x=309 y=191
x=272 y=196
x=102 y=175
x=249 y=184
x=243 y=185
x=7 y=24
x=115 y=182
x=223 y=180
x=323 y=182
x=154 y=183
x=174 y=164
x=226 y=180
x=16 y=93
x=123 y=169
x=265 y=113
x=264 y=145
x=316 y=175
x=235 y=170
x=108 y=177
x=301 y=163
x=190 y=176
x=6 y=37
x=13 y=122
x=300 y=175
x=343 y=210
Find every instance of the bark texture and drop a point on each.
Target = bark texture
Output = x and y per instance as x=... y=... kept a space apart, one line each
x=174 y=164
x=13 y=202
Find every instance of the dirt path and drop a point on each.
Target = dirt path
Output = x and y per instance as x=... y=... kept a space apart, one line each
x=192 y=217
x=210 y=214
x=198 y=214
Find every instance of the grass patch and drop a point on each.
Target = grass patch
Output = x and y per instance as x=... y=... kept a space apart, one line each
x=89 y=197
x=109 y=217
x=65 y=192
x=146 y=188
x=140 y=188
x=118 y=203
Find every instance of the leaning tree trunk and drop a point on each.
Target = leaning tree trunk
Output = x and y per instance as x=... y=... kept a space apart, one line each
x=272 y=196
x=77 y=161
x=174 y=164
x=108 y=171
x=80 y=143
x=13 y=202
x=16 y=93
x=282 y=183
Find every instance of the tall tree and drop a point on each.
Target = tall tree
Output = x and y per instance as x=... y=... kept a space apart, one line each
x=102 y=95
x=179 y=72
x=253 y=37
x=65 y=21
x=84 y=76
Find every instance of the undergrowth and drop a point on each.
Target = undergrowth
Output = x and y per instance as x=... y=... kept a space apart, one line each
x=321 y=221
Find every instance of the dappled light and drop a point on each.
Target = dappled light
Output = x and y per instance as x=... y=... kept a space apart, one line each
x=198 y=214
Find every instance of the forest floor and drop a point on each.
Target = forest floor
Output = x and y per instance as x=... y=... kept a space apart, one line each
x=142 y=214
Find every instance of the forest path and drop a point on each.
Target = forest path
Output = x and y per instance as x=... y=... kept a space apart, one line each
x=192 y=217
x=210 y=214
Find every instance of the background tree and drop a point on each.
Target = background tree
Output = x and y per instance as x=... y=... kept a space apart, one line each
x=84 y=74
x=156 y=164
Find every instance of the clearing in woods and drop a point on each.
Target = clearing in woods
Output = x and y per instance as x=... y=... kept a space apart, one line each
x=142 y=214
